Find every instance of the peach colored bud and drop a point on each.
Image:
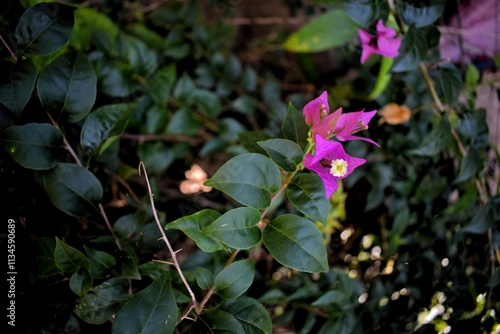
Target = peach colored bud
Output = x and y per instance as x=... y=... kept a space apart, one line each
x=395 y=114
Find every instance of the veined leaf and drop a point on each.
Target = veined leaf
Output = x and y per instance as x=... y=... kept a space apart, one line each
x=34 y=145
x=152 y=310
x=296 y=243
x=285 y=153
x=45 y=27
x=17 y=86
x=235 y=279
x=307 y=193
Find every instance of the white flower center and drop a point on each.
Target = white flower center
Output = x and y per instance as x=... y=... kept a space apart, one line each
x=339 y=168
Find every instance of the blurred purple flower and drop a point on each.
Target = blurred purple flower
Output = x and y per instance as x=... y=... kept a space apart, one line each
x=385 y=43
x=331 y=163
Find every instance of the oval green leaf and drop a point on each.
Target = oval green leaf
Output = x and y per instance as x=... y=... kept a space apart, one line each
x=72 y=189
x=35 y=145
x=81 y=281
x=94 y=309
x=252 y=316
x=294 y=126
x=192 y=226
x=45 y=27
x=152 y=310
x=235 y=279
x=451 y=82
x=216 y=322
x=296 y=243
x=236 y=228
x=307 y=193
x=249 y=179
x=285 y=153
x=317 y=35
x=204 y=278
x=412 y=51
x=69 y=259
x=100 y=262
x=17 y=86
x=67 y=87
x=103 y=126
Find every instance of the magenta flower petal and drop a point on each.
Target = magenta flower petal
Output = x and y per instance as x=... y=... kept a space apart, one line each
x=328 y=156
x=386 y=43
x=312 y=110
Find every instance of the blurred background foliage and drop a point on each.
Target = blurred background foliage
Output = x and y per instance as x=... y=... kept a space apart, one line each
x=413 y=242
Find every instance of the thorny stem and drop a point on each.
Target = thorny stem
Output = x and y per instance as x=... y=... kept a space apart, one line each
x=193 y=303
x=77 y=160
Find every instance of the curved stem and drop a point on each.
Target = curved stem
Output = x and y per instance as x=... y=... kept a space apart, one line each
x=165 y=239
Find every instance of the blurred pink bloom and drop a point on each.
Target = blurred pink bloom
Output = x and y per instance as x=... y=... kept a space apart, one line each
x=342 y=126
x=331 y=163
x=479 y=32
x=385 y=43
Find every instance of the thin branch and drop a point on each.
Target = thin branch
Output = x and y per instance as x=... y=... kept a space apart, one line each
x=108 y=225
x=194 y=303
x=8 y=47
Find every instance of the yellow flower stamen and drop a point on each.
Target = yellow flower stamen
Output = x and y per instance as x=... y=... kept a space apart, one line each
x=339 y=168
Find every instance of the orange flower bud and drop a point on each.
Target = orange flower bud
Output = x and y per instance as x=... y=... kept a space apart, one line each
x=394 y=114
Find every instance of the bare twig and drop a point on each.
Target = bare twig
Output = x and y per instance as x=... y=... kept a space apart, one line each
x=8 y=47
x=193 y=303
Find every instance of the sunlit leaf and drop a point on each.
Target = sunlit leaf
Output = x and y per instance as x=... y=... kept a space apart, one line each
x=296 y=243
x=248 y=178
x=317 y=35
x=235 y=279
x=236 y=228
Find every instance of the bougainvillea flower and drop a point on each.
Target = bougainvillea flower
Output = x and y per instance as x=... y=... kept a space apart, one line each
x=342 y=126
x=385 y=43
x=353 y=122
x=331 y=163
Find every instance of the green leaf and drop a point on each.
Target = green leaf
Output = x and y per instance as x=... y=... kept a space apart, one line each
x=332 y=297
x=249 y=140
x=126 y=225
x=159 y=85
x=208 y=102
x=294 y=126
x=183 y=122
x=192 y=226
x=92 y=24
x=412 y=51
x=35 y=145
x=383 y=79
x=141 y=58
x=72 y=189
x=235 y=279
x=451 y=82
x=296 y=243
x=472 y=76
x=317 y=34
x=69 y=259
x=44 y=257
x=252 y=316
x=152 y=310
x=94 y=309
x=482 y=220
x=244 y=104
x=307 y=193
x=285 y=153
x=216 y=322
x=184 y=89
x=249 y=179
x=437 y=140
x=17 y=86
x=81 y=281
x=249 y=79
x=469 y=166
x=67 y=87
x=100 y=262
x=204 y=278
x=103 y=126
x=420 y=16
x=45 y=27
x=157 y=156
x=236 y=228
